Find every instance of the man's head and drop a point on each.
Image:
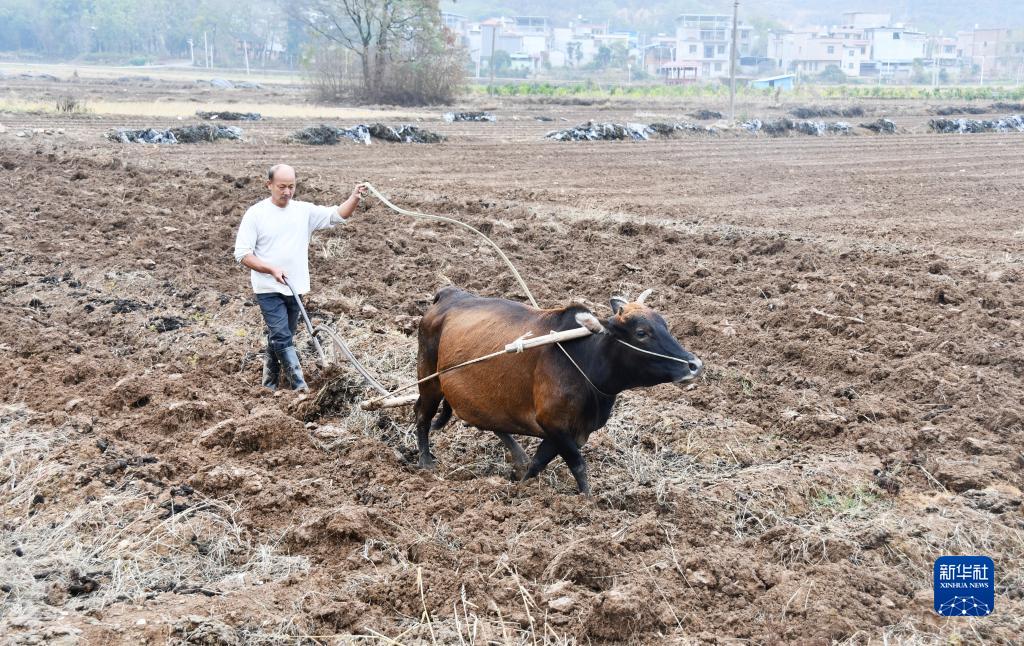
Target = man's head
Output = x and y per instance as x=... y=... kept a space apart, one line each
x=281 y=182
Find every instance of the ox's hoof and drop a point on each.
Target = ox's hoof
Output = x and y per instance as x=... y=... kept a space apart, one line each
x=428 y=463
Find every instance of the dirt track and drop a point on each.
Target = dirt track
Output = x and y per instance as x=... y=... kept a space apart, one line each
x=857 y=301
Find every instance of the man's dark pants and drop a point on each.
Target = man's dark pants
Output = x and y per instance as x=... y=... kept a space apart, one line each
x=281 y=314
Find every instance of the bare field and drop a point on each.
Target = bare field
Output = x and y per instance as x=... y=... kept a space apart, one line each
x=857 y=301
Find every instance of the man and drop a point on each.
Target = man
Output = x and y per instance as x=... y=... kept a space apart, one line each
x=273 y=241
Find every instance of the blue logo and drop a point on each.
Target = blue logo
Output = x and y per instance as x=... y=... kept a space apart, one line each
x=965 y=586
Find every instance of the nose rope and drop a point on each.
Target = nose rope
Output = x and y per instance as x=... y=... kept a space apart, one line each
x=656 y=354
x=628 y=345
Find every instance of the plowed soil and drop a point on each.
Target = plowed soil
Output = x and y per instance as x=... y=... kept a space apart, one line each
x=857 y=302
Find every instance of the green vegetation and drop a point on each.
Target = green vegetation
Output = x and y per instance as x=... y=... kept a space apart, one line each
x=850 y=502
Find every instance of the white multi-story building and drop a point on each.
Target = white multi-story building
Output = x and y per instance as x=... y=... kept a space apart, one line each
x=897 y=45
x=894 y=51
x=860 y=47
x=707 y=41
x=814 y=52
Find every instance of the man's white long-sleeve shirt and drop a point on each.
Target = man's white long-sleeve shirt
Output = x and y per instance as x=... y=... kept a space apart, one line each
x=280 y=238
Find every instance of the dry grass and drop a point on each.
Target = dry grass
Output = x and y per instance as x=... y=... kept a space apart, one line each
x=118 y=545
x=71 y=105
x=20 y=106
x=188 y=109
x=184 y=73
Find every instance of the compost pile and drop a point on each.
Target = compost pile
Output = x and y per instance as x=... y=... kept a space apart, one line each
x=881 y=126
x=669 y=129
x=706 y=115
x=227 y=115
x=451 y=117
x=182 y=135
x=781 y=127
x=1013 y=123
x=324 y=135
x=818 y=112
x=947 y=110
x=594 y=131
x=405 y=134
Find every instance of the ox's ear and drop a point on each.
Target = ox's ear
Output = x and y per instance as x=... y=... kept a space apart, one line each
x=617 y=303
x=591 y=322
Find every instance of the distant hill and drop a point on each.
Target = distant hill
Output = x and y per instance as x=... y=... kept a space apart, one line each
x=658 y=15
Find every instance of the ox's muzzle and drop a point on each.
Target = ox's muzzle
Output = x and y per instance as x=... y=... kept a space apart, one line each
x=695 y=368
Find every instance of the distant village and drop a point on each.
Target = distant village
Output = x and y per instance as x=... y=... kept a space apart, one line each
x=863 y=47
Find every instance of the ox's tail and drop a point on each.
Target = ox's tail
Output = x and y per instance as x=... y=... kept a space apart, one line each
x=443 y=416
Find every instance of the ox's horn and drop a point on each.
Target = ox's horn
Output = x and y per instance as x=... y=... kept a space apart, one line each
x=591 y=322
x=642 y=297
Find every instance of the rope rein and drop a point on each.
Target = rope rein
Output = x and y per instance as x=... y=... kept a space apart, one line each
x=441 y=218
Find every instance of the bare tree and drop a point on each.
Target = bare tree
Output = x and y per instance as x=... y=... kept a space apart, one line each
x=378 y=32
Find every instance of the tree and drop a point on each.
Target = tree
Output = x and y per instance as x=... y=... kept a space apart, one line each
x=763 y=29
x=832 y=74
x=918 y=75
x=574 y=53
x=614 y=56
x=379 y=32
x=619 y=55
x=501 y=60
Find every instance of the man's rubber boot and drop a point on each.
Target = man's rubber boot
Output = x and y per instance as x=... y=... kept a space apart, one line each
x=292 y=368
x=271 y=370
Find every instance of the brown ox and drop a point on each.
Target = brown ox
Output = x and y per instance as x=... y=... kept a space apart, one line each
x=539 y=392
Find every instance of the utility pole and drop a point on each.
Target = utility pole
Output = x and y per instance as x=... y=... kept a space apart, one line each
x=206 y=50
x=494 y=38
x=732 y=63
x=245 y=53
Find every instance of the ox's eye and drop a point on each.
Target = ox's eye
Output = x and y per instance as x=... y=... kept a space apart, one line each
x=641 y=334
